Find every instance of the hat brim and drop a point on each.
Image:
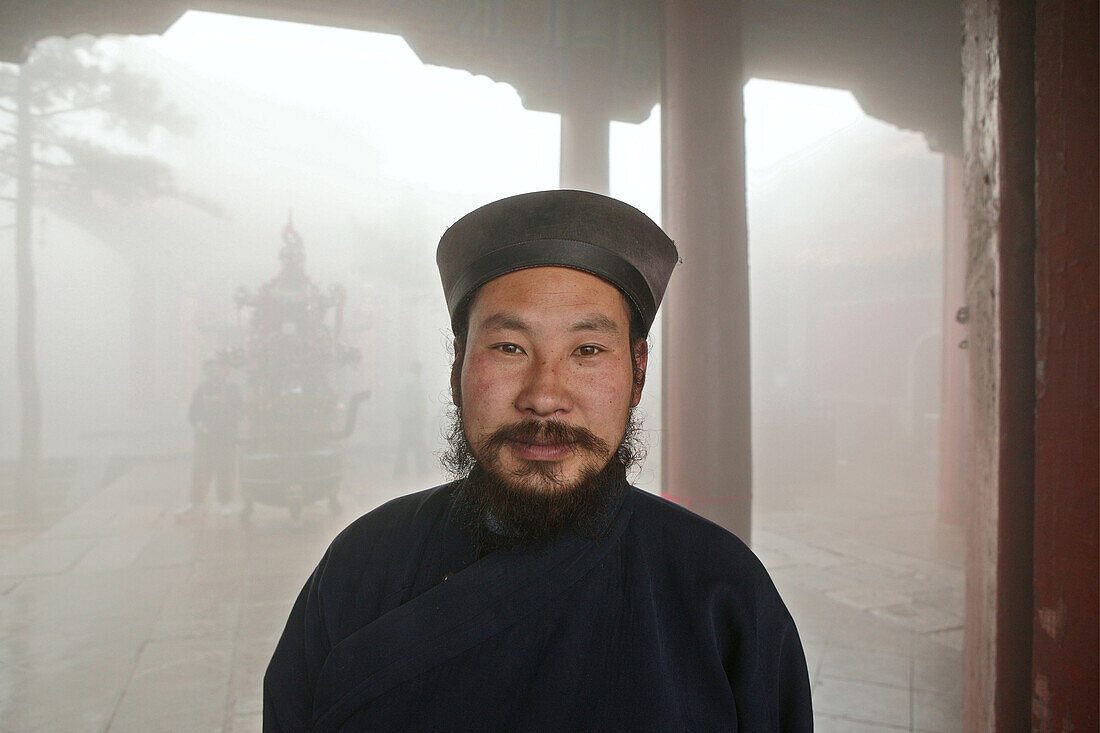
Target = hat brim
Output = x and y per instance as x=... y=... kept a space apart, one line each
x=575 y=255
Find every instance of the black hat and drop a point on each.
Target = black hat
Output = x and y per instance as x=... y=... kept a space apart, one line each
x=577 y=229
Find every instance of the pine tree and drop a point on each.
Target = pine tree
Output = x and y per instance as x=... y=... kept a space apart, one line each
x=74 y=124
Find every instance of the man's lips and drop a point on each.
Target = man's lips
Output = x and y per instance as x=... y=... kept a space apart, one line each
x=541 y=451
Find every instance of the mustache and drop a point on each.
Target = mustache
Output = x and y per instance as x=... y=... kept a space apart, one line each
x=547 y=432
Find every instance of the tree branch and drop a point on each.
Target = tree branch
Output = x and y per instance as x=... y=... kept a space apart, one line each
x=63 y=143
x=57 y=185
x=9 y=110
x=53 y=166
x=74 y=108
x=46 y=87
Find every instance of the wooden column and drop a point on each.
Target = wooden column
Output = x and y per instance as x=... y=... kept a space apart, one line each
x=585 y=144
x=1066 y=647
x=706 y=443
x=585 y=122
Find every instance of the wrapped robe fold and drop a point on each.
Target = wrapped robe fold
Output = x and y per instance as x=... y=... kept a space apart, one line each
x=664 y=622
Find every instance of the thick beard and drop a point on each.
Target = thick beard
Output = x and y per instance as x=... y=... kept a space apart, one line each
x=531 y=507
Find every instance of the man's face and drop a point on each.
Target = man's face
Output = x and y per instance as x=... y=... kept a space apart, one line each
x=547 y=346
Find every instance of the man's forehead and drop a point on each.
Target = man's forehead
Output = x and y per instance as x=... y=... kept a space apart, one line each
x=524 y=298
x=551 y=281
x=503 y=320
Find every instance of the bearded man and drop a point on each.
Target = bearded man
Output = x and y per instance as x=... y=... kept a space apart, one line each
x=539 y=590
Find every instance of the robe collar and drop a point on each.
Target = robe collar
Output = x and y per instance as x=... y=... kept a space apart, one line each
x=452 y=617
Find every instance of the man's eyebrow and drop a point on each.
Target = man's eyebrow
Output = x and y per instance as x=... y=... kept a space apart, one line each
x=505 y=322
x=596 y=322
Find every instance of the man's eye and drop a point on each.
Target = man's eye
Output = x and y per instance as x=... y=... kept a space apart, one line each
x=588 y=350
x=509 y=349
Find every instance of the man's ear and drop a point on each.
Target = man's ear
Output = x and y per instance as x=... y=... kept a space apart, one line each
x=456 y=373
x=640 y=351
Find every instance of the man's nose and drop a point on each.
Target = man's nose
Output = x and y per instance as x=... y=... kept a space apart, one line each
x=545 y=390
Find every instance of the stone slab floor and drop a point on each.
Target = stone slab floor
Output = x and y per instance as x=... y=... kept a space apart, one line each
x=875 y=585
x=118 y=617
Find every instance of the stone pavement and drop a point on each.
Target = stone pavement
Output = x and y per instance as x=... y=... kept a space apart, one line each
x=118 y=617
x=121 y=618
x=875 y=585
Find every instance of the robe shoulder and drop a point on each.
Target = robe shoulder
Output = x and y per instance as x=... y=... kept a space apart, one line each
x=702 y=572
x=367 y=567
x=696 y=559
x=400 y=509
x=389 y=522
x=353 y=584
x=705 y=546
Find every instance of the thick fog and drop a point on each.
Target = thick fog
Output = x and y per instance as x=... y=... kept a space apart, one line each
x=236 y=138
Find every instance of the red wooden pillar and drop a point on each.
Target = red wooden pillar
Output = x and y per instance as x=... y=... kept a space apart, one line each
x=1065 y=647
x=707 y=452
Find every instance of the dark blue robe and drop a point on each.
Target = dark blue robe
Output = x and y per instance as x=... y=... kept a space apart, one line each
x=665 y=622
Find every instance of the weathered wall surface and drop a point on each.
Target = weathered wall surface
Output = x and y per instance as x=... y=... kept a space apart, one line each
x=1067 y=478
x=999 y=181
x=955 y=362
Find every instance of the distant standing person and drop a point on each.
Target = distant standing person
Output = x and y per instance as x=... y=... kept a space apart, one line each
x=214 y=415
x=410 y=411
